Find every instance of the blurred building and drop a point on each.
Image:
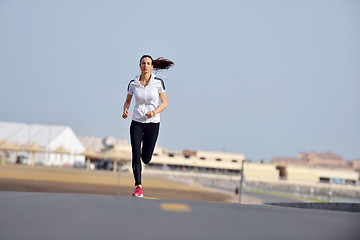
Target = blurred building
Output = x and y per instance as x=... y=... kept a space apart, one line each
x=173 y=159
x=322 y=160
x=100 y=144
x=356 y=164
x=107 y=152
x=199 y=161
x=59 y=145
x=317 y=168
x=307 y=169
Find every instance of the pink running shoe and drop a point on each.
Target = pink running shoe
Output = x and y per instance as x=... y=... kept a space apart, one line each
x=138 y=192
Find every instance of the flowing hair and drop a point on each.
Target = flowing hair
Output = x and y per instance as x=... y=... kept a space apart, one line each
x=159 y=63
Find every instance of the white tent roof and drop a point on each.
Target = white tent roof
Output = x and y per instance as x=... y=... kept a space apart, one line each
x=47 y=136
x=23 y=133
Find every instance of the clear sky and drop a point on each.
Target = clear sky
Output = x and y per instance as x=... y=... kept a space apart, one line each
x=265 y=78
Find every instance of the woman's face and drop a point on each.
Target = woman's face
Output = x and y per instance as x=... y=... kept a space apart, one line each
x=146 y=65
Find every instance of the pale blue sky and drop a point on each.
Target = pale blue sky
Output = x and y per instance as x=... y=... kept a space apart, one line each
x=264 y=78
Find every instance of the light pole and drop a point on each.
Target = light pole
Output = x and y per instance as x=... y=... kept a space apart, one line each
x=48 y=144
x=242 y=177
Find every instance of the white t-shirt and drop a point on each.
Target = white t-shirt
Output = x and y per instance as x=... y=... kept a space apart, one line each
x=146 y=98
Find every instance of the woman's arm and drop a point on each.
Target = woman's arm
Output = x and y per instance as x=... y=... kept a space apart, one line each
x=161 y=108
x=126 y=106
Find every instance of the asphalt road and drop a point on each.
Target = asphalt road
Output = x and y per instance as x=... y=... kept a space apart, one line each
x=74 y=216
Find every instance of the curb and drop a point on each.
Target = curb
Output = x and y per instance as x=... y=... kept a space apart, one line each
x=345 y=207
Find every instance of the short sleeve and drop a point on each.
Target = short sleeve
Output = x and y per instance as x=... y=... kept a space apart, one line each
x=130 y=88
x=161 y=85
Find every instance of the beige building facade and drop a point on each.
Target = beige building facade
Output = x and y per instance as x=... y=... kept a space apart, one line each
x=197 y=160
x=357 y=164
x=230 y=163
x=324 y=160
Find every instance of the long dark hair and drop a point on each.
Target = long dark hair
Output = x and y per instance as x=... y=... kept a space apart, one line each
x=159 y=63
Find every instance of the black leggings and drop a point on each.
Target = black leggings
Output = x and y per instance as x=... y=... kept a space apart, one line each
x=146 y=133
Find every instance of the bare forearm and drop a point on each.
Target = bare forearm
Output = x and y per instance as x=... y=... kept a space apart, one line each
x=163 y=104
x=161 y=108
x=126 y=105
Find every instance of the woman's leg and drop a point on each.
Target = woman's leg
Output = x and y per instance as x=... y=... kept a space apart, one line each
x=151 y=132
x=136 y=136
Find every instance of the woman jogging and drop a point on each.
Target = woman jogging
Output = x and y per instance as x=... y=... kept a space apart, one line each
x=144 y=128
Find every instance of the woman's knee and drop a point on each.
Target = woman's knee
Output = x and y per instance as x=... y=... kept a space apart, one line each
x=146 y=159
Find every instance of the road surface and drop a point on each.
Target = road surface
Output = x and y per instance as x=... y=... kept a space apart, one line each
x=38 y=216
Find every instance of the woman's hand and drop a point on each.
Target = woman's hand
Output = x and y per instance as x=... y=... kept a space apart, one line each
x=125 y=113
x=150 y=114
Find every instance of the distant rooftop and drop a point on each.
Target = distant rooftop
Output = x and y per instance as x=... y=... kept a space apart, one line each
x=23 y=133
x=328 y=155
